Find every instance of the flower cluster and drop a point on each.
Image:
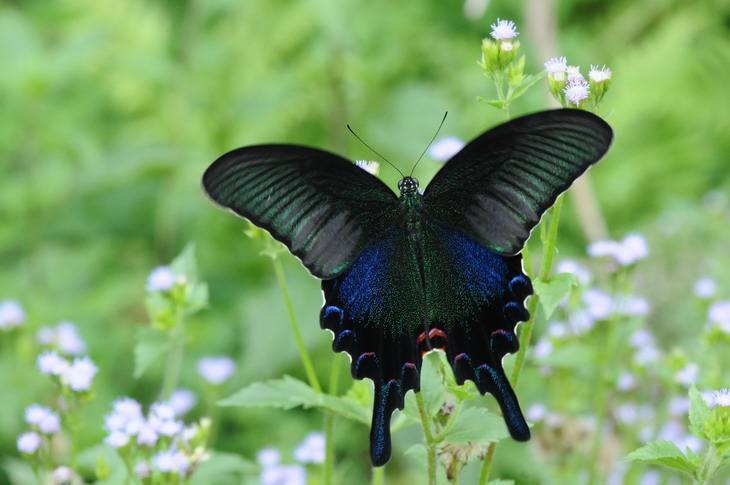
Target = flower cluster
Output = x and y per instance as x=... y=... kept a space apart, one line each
x=159 y=441
x=11 y=315
x=216 y=370
x=44 y=423
x=310 y=451
x=570 y=88
x=632 y=249
x=76 y=375
x=499 y=51
x=64 y=337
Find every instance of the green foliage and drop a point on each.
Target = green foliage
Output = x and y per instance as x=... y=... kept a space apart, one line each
x=665 y=454
x=553 y=290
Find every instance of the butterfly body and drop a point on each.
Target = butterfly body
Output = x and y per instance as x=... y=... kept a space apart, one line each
x=406 y=274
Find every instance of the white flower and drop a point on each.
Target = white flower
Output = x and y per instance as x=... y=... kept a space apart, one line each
x=646 y=355
x=142 y=470
x=162 y=411
x=35 y=414
x=719 y=398
x=11 y=314
x=62 y=475
x=369 y=166
x=557 y=330
x=632 y=249
x=147 y=435
x=581 y=322
x=580 y=272
x=52 y=364
x=181 y=401
x=626 y=413
x=641 y=338
x=284 y=475
x=688 y=374
x=268 y=457
x=705 y=288
x=29 y=442
x=599 y=74
x=678 y=406
x=216 y=370
x=504 y=29
x=128 y=408
x=117 y=439
x=506 y=46
x=80 y=374
x=556 y=67
x=50 y=423
x=719 y=314
x=445 y=148
x=576 y=91
x=601 y=249
x=574 y=74
x=599 y=304
x=312 y=449
x=161 y=278
x=171 y=461
x=542 y=349
x=536 y=413
x=633 y=306
x=626 y=381
x=69 y=340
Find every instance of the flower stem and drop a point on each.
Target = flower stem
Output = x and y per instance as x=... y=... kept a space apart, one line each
x=430 y=444
x=378 y=475
x=525 y=330
x=329 y=424
x=303 y=353
x=174 y=360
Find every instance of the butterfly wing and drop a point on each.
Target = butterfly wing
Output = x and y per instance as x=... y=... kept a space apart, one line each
x=321 y=206
x=498 y=186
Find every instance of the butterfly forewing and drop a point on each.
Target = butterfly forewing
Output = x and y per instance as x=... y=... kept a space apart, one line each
x=321 y=206
x=497 y=187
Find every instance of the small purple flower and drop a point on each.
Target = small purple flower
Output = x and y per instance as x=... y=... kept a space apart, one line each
x=719 y=315
x=11 y=314
x=117 y=439
x=268 y=457
x=543 y=348
x=284 y=475
x=705 y=288
x=536 y=413
x=52 y=364
x=599 y=74
x=688 y=374
x=556 y=67
x=580 y=272
x=720 y=398
x=161 y=279
x=171 y=461
x=216 y=370
x=599 y=304
x=504 y=30
x=626 y=382
x=80 y=374
x=311 y=450
x=181 y=401
x=29 y=442
x=68 y=339
x=576 y=91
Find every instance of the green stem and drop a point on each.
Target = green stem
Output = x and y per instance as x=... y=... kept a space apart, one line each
x=174 y=361
x=430 y=444
x=329 y=424
x=303 y=353
x=378 y=475
x=525 y=334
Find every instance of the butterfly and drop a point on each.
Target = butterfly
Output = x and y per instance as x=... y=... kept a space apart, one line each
x=433 y=269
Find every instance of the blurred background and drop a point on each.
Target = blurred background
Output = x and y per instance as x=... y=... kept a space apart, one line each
x=112 y=110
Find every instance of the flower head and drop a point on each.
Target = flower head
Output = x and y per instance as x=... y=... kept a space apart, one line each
x=705 y=288
x=632 y=306
x=445 y=148
x=181 y=401
x=599 y=74
x=599 y=304
x=171 y=461
x=626 y=381
x=574 y=74
x=117 y=439
x=719 y=315
x=29 y=442
x=576 y=91
x=556 y=67
x=688 y=374
x=632 y=249
x=62 y=475
x=311 y=450
x=162 y=278
x=504 y=30
x=79 y=375
x=369 y=166
x=284 y=475
x=581 y=273
x=719 y=398
x=536 y=413
x=216 y=370
x=50 y=423
x=68 y=339
x=268 y=457
x=11 y=314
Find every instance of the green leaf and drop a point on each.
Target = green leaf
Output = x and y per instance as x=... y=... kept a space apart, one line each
x=663 y=453
x=699 y=413
x=477 y=425
x=223 y=468
x=497 y=103
x=151 y=346
x=432 y=382
x=288 y=393
x=553 y=290
x=184 y=264
x=527 y=82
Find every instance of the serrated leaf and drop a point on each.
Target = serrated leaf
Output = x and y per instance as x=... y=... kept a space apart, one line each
x=553 y=290
x=288 y=393
x=664 y=453
x=477 y=425
x=150 y=347
x=699 y=413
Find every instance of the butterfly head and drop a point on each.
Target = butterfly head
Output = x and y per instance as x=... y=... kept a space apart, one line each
x=408 y=186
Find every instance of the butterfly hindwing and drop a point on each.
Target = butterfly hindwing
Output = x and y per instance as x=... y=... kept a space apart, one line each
x=499 y=185
x=322 y=207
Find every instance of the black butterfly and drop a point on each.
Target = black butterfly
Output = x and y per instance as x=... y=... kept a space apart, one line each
x=406 y=274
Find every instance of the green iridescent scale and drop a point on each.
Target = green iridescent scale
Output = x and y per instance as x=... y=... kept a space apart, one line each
x=402 y=276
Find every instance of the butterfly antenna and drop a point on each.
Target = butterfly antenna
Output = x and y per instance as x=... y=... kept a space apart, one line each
x=373 y=150
x=429 y=143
